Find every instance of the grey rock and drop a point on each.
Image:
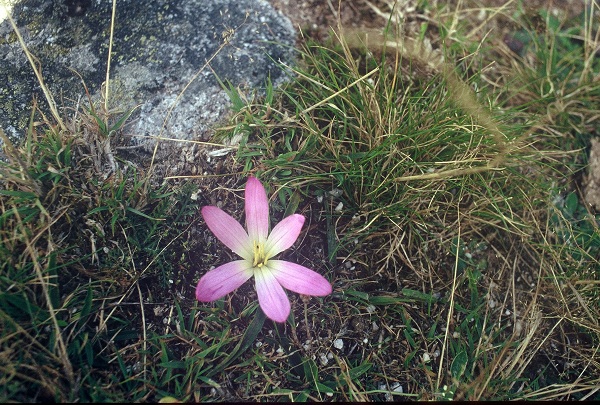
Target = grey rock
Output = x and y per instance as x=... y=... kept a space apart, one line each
x=158 y=47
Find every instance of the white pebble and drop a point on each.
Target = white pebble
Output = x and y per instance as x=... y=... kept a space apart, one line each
x=339 y=207
x=396 y=387
x=426 y=357
x=336 y=192
x=338 y=344
x=519 y=327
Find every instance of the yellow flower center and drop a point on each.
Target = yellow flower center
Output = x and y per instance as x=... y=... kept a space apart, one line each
x=260 y=258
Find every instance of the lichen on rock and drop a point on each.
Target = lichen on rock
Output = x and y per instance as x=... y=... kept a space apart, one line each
x=158 y=47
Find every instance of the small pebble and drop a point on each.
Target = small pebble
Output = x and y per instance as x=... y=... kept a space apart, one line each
x=396 y=387
x=336 y=192
x=338 y=344
x=519 y=327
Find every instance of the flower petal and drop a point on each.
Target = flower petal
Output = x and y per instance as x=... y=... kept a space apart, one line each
x=284 y=235
x=223 y=280
x=271 y=296
x=228 y=230
x=257 y=210
x=300 y=279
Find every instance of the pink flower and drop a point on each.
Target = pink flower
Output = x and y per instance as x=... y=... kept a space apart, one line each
x=257 y=247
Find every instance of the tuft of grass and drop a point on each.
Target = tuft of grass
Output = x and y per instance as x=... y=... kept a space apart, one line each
x=79 y=235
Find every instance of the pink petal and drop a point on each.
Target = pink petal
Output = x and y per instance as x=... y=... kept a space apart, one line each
x=284 y=234
x=257 y=210
x=229 y=231
x=223 y=280
x=300 y=279
x=271 y=297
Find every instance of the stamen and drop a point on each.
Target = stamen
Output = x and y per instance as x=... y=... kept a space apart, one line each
x=259 y=255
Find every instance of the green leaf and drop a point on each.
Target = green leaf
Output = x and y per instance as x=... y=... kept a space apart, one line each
x=418 y=295
x=87 y=305
x=121 y=120
x=387 y=300
x=360 y=370
x=409 y=338
x=311 y=371
x=246 y=341
x=173 y=364
x=16 y=193
x=140 y=213
x=324 y=389
x=357 y=294
x=98 y=209
x=101 y=124
x=571 y=203
x=459 y=364
x=293 y=203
